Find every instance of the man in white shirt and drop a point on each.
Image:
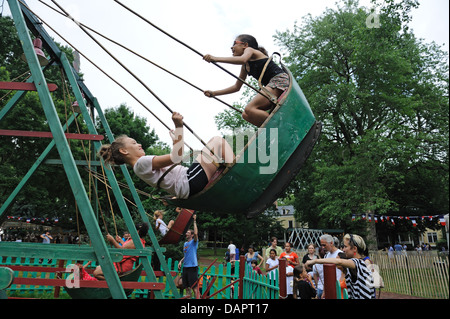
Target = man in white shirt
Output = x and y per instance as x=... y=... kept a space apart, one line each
x=232 y=250
x=327 y=242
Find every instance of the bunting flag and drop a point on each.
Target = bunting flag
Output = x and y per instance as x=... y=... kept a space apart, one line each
x=392 y=219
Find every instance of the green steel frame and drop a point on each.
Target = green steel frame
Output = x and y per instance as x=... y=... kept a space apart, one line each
x=26 y=21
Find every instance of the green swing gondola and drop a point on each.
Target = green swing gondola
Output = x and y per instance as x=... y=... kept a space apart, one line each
x=105 y=293
x=252 y=183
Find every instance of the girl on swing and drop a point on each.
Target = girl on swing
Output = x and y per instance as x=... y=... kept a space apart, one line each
x=159 y=222
x=180 y=181
x=253 y=58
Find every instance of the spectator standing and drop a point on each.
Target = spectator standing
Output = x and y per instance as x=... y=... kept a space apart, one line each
x=272 y=264
x=328 y=243
x=291 y=256
x=232 y=249
x=46 y=237
x=398 y=249
x=358 y=276
x=255 y=267
x=189 y=261
x=289 y=282
x=253 y=255
x=318 y=274
x=273 y=245
x=303 y=285
x=310 y=255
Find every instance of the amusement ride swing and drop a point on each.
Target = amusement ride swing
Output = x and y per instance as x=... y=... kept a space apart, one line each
x=238 y=188
x=26 y=21
x=249 y=187
x=241 y=188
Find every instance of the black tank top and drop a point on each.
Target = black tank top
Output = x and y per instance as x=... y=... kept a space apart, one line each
x=257 y=66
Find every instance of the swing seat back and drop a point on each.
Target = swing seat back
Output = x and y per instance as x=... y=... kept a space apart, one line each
x=179 y=227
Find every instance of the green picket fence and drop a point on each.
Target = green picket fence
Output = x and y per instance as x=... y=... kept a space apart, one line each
x=221 y=282
x=30 y=290
x=22 y=289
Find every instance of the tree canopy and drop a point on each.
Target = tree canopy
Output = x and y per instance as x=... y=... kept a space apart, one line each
x=382 y=96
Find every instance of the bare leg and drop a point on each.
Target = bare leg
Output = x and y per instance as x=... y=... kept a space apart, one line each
x=170 y=224
x=221 y=149
x=255 y=111
x=98 y=273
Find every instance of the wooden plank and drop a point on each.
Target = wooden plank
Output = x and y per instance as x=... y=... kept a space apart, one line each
x=63 y=269
x=23 y=86
x=88 y=283
x=37 y=268
x=71 y=136
x=53 y=251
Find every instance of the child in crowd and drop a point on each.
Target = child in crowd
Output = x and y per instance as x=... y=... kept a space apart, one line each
x=160 y=224
x=272 y=263
x=256 y=268
x=303 y=285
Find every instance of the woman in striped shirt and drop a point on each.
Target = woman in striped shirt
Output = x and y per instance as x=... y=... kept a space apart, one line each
x=358 y=277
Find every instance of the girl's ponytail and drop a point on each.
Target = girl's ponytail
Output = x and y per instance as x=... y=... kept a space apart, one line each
x=263 y=50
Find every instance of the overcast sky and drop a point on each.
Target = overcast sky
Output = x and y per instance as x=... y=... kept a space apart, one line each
x=208 y=26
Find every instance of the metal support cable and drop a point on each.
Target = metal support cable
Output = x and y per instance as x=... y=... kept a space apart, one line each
x=101 y=70
x=130 y=72
x=140 y=56
x=191 y=48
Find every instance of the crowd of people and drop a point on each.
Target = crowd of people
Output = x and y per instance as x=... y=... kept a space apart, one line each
x=305 y=275
x=37 y=237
